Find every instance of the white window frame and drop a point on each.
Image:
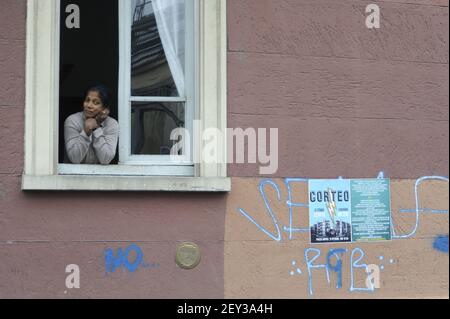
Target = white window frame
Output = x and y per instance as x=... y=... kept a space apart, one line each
x=125 y=98
x=41 y=169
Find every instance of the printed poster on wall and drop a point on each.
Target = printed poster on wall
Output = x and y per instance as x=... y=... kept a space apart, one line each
x=345 y=210
x=371 y=209
x=330 y=211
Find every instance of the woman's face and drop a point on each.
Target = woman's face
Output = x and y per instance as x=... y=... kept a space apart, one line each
x=92 y=104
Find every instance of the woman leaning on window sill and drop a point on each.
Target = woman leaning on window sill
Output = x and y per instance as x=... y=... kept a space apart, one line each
x=91 y=136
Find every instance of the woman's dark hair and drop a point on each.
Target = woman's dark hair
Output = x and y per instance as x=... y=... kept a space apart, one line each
x=103 y=93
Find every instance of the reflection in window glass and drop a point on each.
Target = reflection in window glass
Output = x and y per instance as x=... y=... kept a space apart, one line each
x=151 y=126
x=158 y=48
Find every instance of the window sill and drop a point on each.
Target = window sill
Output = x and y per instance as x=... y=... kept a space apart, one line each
x=127 y=170
x=125 y=183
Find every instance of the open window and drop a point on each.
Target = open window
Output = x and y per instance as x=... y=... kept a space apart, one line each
x=88 y=54
x=165 y=64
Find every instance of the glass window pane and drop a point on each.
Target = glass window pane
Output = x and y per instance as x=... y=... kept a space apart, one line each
x=158 y=48
x=151 y=126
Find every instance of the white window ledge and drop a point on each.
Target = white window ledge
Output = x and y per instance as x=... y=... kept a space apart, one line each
x=125 y=183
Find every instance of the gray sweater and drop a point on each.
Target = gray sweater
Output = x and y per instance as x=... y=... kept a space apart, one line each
x=99 y=148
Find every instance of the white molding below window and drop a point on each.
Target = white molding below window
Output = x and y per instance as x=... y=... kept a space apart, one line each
x=127 y=170
x=125 y=183
x=41 y=168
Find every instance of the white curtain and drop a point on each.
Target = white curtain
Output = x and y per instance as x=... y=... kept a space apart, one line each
x=170 y=17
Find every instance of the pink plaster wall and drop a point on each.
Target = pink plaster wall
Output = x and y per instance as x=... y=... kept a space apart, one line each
x=348 y=101
x=41 y=233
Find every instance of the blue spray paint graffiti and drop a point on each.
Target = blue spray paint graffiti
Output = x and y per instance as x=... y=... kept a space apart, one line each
x=338 y=267
x=310 y=265
x=289 y=229
x=262 y=185
x=356 y=257
x=290 y=204
x=354 y=263
x=121 y=258
x=418 y=209
x=357 y=254
x=441 y=243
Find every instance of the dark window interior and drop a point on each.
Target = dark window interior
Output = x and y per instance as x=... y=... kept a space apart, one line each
x=88 y=55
